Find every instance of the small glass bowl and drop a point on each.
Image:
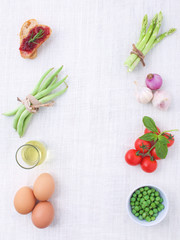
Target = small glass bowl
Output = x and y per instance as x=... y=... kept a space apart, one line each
x=28 y=156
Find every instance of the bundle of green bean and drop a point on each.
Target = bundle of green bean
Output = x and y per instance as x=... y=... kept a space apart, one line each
x=148 y=39
x=41 y=93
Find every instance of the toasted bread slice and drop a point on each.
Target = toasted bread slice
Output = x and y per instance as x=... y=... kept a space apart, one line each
x=25 y=30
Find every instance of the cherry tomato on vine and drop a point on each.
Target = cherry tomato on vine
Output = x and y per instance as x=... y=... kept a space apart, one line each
x=148 y=165
x=170 y=137
x=142 y=145
x=154 y=155
x=148 y=131
x=132 y=157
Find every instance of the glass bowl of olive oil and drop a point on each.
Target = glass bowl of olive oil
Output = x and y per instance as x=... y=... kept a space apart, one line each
x=31 y=154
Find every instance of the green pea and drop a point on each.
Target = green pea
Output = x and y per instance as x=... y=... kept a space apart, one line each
x=132 y=207
x=161 y=206
x=152 y=199
x=141 y=189
x=146 y=209
x=132 y=203
x=155 y=210
x=153 y=205
x=155 y=214
x=153 y=218
x=149 y=191
x=151 y=212
x=133 y=199
x=146 y=188
x=142 y=200
x=137 y=192
x=140 y=217
x=138 y=199
x=144 y=215
x=156 y=194
x=134 y=194
x=133 y=211
x=143 y=206
x=159 y=209
x=144 y=193
x=157 y=199
x=161 y=200
x=145 y=203
x=141 y=212
x=140 y=195
x=136 y=208
x=146 y=197
x=148 y=219
x=153 y=190
x=137 y=214
x=157 y=203
x=148 y=202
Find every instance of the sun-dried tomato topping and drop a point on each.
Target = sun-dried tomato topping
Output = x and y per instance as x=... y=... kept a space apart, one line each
x=28 y=45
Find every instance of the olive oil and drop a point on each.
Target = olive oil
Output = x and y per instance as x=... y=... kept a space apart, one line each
x=31 y=155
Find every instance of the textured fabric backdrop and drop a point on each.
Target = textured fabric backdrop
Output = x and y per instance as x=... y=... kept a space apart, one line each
x=91 y=126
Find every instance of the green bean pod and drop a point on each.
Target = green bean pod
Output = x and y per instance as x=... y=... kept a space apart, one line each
x=22 y=124
x=35 y=91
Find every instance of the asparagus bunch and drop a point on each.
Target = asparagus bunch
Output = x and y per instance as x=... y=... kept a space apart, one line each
x=42 y=93
x=148 y=39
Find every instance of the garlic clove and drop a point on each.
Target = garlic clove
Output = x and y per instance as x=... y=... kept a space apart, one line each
x=143 y=94
x=161 y=100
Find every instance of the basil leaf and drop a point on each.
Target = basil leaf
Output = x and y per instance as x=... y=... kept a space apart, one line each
x=150 y=124
x=149 y=137
x=161 y=149
x=163 y=139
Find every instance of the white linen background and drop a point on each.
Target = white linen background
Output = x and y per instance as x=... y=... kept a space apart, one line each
x=94 y=123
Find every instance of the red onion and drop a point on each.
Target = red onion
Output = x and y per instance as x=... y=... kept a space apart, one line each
x=153 y=81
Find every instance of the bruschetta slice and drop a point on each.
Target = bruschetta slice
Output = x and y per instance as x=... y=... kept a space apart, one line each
x=32 y=35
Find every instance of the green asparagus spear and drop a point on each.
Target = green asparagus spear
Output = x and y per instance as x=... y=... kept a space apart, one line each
x=157 y=40
x=146 y=46
x=143 y=28
x=153 y=41
x=142 y=44
x=162 y=36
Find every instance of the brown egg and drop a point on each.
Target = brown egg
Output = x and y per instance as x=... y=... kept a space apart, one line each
x=24 y=200
x=43 y=214
x=44 y=187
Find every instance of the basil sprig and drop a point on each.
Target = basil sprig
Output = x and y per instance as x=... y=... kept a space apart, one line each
x=161 y=149
x=160 y=142
x=150 y=124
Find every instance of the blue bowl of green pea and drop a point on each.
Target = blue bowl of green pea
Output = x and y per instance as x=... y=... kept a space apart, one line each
x=147 y=205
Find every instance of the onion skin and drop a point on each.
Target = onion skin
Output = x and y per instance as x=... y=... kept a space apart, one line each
x=153 y=81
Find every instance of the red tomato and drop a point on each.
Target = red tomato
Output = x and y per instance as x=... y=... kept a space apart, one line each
x=170 y=137
x=154 y=155
x=148 y=131
x=142 y=146
x=148 y=165
x=132 y=157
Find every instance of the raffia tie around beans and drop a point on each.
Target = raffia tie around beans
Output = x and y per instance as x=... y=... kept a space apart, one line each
x=32 y=104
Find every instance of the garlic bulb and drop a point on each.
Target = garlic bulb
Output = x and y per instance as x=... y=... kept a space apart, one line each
x=161 y=100
x=143 y=94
